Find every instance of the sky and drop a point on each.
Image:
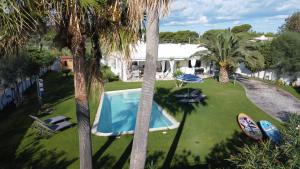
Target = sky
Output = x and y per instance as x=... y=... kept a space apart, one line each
x=203 y=15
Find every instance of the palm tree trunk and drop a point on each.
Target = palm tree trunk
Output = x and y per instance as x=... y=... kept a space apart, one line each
x=223 y=77
x=78 y=40
x=139 y=148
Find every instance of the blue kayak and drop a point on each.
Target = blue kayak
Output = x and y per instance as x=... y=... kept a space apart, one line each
x=270 y=131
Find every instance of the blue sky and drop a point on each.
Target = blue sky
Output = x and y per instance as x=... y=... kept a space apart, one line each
x=202 y=15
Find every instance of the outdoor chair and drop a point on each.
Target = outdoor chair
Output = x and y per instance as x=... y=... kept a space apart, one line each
x=194 y=93
x=197 y=99
x=50 y=125
x=51 y=120
x=45 y=129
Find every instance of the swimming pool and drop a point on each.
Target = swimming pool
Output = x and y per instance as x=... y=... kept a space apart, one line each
x=117 y=114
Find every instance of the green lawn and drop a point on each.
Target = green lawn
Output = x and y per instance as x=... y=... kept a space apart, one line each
x=293 y=90
x=205 y=138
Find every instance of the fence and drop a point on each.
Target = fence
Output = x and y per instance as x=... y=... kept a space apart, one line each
x=8 y=95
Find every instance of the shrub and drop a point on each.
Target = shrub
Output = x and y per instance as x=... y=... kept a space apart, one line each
x=177 y=73
x=66 y=72
x=267 y=155
x=108 y=75
x=280 y=83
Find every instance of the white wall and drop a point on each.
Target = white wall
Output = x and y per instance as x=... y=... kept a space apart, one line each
x=268 y=74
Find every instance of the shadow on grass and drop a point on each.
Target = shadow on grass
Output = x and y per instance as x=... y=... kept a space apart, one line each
x=15 y=125
x=43 y=158
x=108 y=161
x=297 y=89
x=217 y=158
x=58 y=88
x=167 y=98
x=124 y=157
x=221 y=152
x=105 y=161
x=100 y=152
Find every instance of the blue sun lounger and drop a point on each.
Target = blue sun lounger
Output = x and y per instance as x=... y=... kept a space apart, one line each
x=193 y=93
x=51 y=124
x=51 y=120
x=197 y=99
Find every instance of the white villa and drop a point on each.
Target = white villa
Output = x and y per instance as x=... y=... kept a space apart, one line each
x=170 y=57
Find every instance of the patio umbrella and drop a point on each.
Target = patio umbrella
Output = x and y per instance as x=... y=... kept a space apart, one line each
x=189 y=78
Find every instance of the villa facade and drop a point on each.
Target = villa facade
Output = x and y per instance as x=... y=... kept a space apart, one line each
x=171 y=57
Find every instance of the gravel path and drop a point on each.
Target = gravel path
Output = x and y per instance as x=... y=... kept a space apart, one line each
x=270 y=99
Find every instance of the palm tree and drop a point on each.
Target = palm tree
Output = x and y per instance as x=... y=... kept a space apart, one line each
x=75 y=21
x=153 y=9
x=223 y=50
x=227 y=51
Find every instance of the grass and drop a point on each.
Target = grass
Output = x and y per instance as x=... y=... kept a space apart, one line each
x=295 y=91
x=205 y=138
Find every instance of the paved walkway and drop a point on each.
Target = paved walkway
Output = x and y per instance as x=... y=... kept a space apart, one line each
x=270 y=99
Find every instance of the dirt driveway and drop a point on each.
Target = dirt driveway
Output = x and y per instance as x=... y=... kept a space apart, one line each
x=270 y=99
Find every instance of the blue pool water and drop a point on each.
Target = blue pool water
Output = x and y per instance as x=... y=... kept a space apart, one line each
x=118 y=113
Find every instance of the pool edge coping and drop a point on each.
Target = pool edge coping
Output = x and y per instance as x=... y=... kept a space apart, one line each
x=174 y=122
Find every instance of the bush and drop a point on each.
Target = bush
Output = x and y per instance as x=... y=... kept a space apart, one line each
x=267 y=155
x=279 y=82
x=66 y=72
x=177 y=73
x=108 y=75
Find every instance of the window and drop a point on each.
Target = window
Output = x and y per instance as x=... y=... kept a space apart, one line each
x=198 y=63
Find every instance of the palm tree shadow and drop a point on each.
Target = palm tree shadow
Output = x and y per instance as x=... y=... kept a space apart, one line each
x=221 y=152
x=167 y=98
x=173 y=147
x=124 y=157
x=37 y=156
x=101 y=151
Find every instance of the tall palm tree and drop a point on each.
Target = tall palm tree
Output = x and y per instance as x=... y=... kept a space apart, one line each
x=223 y=50
x=75 y=21
x=153 y=9
x=227 y=51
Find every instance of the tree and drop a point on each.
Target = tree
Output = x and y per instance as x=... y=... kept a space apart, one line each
x=211 y=34
x=285 y=52
x=292 y=23
x=228 y=51
x=75 y=21
x=179 y=37
x=265 y=49
x=224 y=51
x=152 y=8
x=250 y=54
x=241 y=28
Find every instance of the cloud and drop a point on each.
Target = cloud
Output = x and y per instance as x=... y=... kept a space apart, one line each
x=222 y=12
x=191 y=21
